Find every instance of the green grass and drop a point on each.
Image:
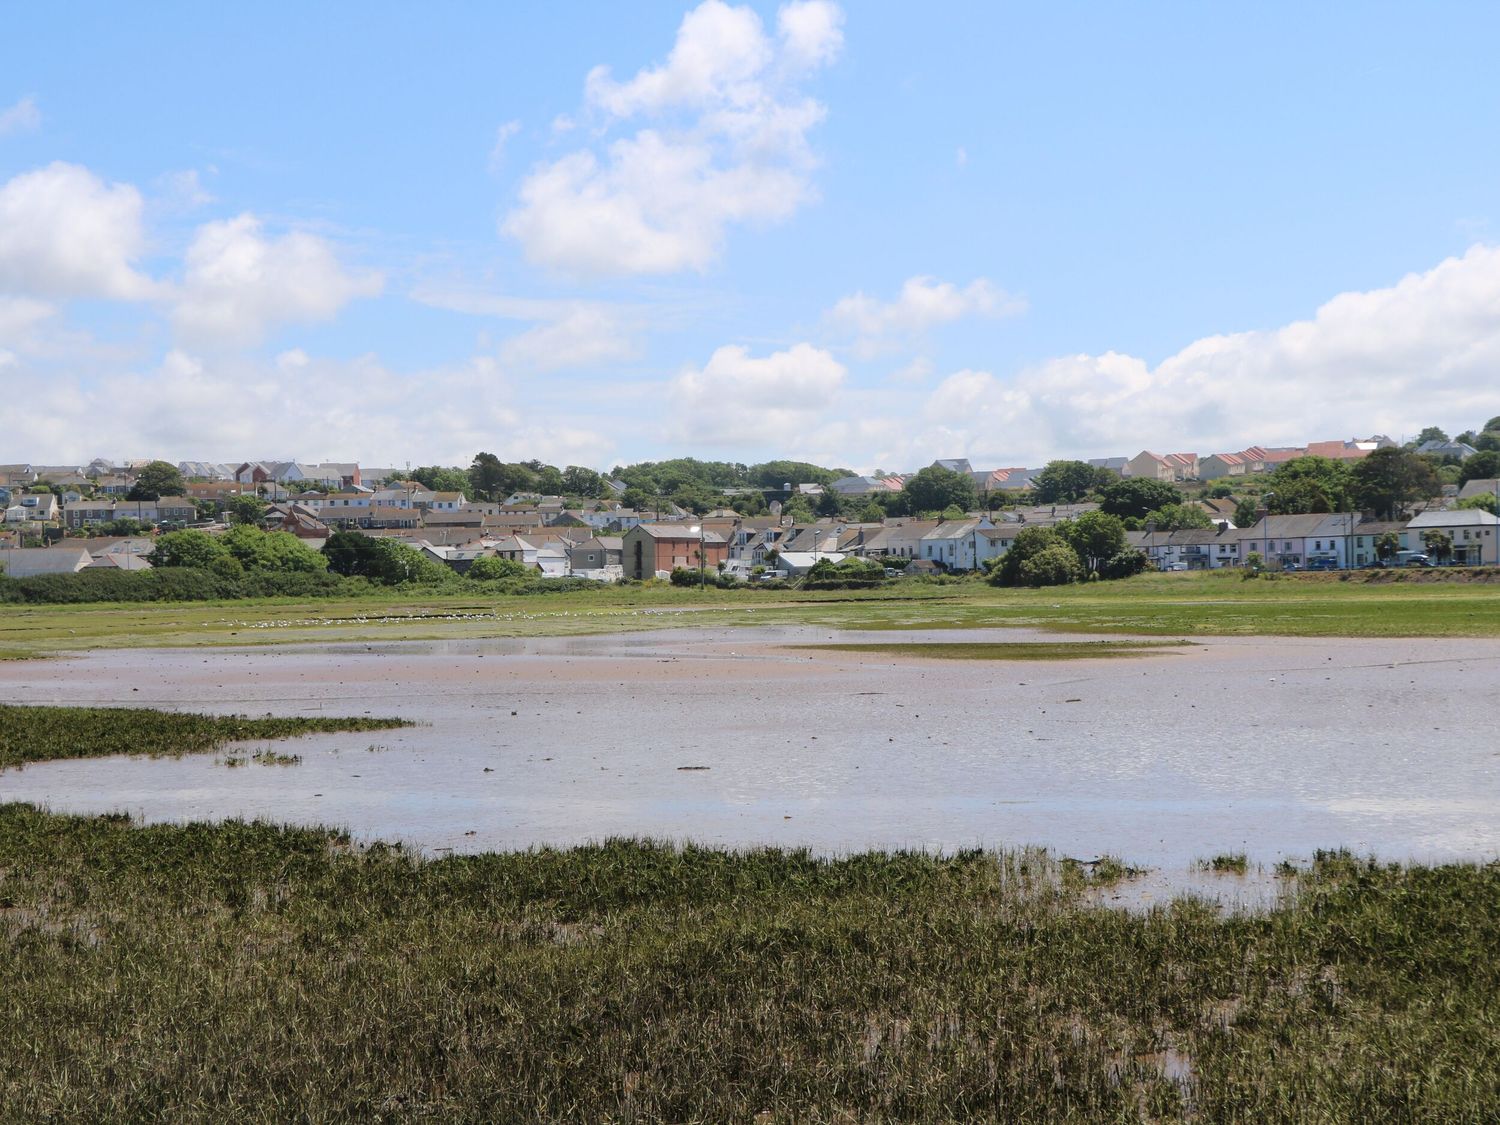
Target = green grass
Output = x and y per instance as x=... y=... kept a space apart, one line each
x=252 y=973
x=1227 y=864
x=1162 y=605
x=39 y=734
x=1004 y=650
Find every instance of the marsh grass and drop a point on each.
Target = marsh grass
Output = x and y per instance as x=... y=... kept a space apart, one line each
x=1005 y=650
x=39 y=734
x=1234 y=863
x=255 y=973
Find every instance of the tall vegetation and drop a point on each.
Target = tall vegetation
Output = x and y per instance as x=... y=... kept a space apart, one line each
x=249 y=972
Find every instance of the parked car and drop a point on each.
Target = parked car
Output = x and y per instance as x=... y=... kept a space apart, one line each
x=1323 y=564
x=1419 y=560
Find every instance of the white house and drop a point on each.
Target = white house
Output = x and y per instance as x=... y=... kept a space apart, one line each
x=957 y=544
x=1474 y=532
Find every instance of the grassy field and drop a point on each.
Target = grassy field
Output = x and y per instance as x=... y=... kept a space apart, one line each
x=1181 y=605
x=40 y=734
x=250 y=973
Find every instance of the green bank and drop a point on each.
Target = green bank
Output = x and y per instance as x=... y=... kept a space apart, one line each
x=1179 y=605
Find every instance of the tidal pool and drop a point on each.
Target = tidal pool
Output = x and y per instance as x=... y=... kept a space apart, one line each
x=1269 y=746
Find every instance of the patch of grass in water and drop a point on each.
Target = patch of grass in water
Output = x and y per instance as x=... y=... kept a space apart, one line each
x=197 y=971
x=40 y=734
x=1226 y=864
x=1005 y=650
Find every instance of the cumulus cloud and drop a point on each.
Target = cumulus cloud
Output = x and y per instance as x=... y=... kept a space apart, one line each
x=738 y=399
x=192 y=406
x=20 y=117
x=568 y=333
x=722 y=140
x=65 y=233
x=239 y=283
x=923 y=304
x=1383 y=360
x=19 y=316
x=584 y=337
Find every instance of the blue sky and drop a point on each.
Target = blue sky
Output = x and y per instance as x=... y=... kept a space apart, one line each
x=867 y=235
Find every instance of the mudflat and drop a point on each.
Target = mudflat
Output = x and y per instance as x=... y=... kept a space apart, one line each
x=1273 y=747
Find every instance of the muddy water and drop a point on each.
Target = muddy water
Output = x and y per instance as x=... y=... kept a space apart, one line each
x=1272 y=747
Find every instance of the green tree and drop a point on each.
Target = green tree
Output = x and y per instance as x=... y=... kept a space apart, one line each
x=156 y=480
x=1387 y=544
x=277 y=551
x=1389 y=479
x=1135 y=496
x=386 y=561
x=246 y=509
x=492 y=567
x=1066 y=482
x=1310 y=484
x=1029 y=541
x=1431 y=433
x=774 y=474
x=122 y=527
x=578 y=481
x=1438 y=543
x=935 y=488
x=1052 y=566
x=494 y=480
x=1481 y=466
x=1095 y=537
x=1246 y=513
x=871 y=513
x=1484 y=501
x=186 y=548
x=438 y=478
x=798 y=509
x=1180 y=517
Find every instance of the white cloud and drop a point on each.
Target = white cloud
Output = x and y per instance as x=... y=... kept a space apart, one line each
x=584 y=337
x=923 y=304
x=918 y=370
x=239 y=284
x=737 y=399
x=497 y=150
x=726 y=144
x=569 y=333
x=813 y=32
x=65 y=233
x=184 y=190
x=227 y=407
x=20 y=117
x=1424 y=349
x=19 y=316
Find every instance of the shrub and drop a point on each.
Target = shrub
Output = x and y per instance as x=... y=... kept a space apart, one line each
x=1056 y=565
x=491 y=568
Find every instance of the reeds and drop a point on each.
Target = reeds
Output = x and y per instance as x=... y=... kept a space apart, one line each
x=249 y=972
x=39 y=734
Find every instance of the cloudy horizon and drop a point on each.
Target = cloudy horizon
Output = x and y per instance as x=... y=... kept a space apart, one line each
x=740 y=232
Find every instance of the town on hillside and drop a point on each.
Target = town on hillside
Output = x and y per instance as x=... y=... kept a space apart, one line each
x=1328 y=505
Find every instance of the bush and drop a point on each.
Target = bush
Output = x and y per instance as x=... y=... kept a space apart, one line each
x=491 y=568
x=1126 y=564
x=109 y=585
x=850 y=574
x=1056 y=565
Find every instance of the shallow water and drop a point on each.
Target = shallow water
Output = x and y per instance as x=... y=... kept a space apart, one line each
x=1272 y=747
